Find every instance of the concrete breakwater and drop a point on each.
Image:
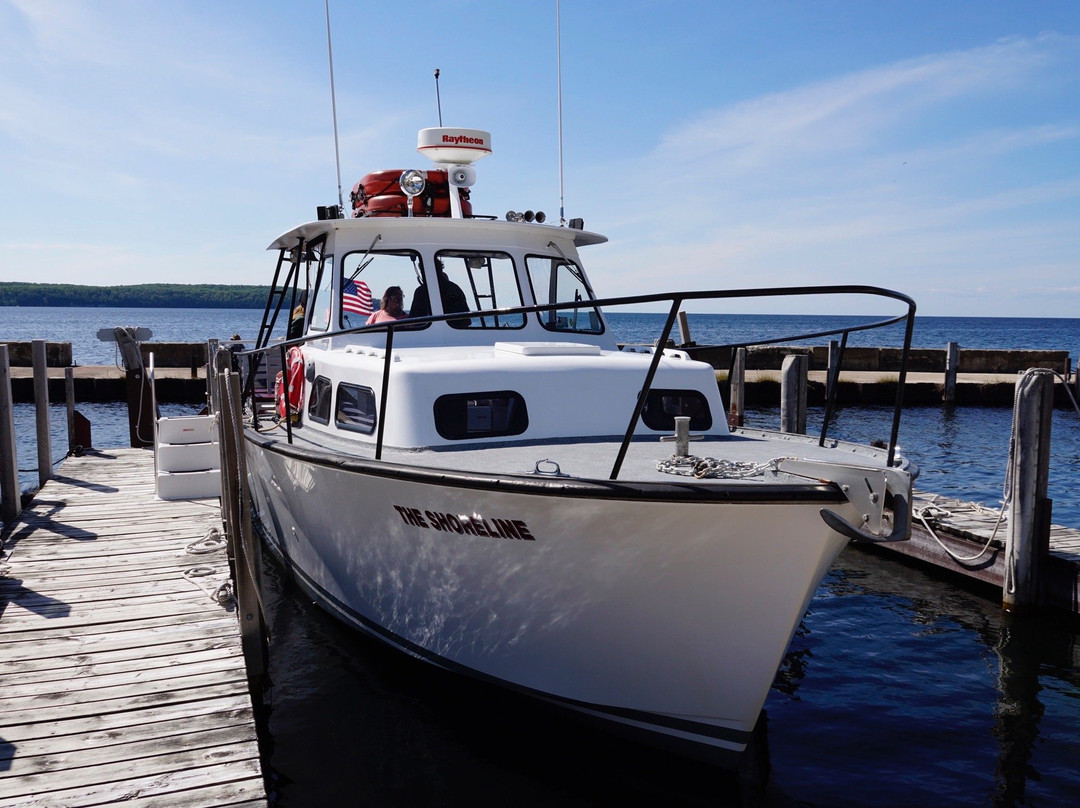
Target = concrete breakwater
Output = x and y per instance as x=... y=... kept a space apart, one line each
x=985 y=377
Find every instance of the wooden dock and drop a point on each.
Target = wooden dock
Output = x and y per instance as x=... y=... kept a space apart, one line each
x=968 y=539
x=121 y=679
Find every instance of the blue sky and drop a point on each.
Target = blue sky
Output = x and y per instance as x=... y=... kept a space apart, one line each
x=929 y=147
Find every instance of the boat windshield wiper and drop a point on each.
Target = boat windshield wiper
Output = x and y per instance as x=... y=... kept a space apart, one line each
x=367 y=259
x=575 y=270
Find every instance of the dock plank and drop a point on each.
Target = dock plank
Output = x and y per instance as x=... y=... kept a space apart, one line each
x=124 y=681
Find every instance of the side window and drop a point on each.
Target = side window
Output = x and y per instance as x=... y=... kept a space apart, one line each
x=319 y=403
x=479 y=281
x=365 y=278
x=320 y=312
x=355 y=408
x=556 y=281
x=662 y=406
x=480 y=415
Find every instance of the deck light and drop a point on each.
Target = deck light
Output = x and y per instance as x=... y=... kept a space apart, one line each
x=412 y=182
x=513 y=216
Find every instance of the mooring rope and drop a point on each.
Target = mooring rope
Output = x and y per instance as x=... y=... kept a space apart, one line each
x=220 y=588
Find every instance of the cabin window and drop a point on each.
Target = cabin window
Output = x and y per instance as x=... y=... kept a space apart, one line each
x=320 y=306
x=662 y=406
x=366 y=276
x=471 y=280
x=557 y=281
x=355 y=408
x=464 y=416
x=319 y=401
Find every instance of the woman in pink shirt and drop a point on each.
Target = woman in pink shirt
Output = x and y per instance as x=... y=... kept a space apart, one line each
x=391 y=307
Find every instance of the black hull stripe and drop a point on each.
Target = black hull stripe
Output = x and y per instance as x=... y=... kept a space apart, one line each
x=651 y=720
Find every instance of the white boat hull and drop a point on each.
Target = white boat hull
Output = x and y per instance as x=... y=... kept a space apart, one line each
x=665 y=616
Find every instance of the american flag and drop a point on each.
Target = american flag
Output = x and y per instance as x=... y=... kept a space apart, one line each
x=356 y=297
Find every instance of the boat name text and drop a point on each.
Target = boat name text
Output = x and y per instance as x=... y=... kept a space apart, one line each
x=475 y=525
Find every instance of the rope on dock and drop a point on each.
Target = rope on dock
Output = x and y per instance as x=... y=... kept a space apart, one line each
x=220 y=588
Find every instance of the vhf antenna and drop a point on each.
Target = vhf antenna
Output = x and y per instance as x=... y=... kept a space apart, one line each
x=558 y=62
x=333 y=105
x=438 y=101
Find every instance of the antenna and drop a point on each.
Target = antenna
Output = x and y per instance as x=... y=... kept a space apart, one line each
x=333 y=105
x=438 y=101
x=558 y=62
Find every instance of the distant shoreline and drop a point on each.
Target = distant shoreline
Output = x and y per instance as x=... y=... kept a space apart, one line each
x=142 y=296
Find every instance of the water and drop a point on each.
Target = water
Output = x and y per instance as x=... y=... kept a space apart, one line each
x=900 y=688
x=80 y=327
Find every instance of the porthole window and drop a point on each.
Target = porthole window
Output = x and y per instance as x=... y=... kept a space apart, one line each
x=355 y=408
x=464 y=416
x=662 y=406
x=319 y=402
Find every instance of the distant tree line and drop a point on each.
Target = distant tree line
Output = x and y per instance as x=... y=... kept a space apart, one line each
x=144 y=296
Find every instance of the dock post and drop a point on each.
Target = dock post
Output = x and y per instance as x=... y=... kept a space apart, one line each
x=684 y=331
x=1028 y=535
x=737 y=387
x=10 y=496
x=793 y=375
x=244 y=550
x=69 y=401
x=832 y=371
x=952 y=363
x=41 y=410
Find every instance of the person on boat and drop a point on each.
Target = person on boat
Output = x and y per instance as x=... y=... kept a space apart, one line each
x=235 y=346
x=296 y=320
x=453 y=299
x=391 y=307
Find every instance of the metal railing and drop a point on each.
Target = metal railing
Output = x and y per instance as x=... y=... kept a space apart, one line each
x=676 y=301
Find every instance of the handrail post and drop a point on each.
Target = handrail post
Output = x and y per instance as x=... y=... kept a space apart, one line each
x=384 y=391
x=10 y=497
x=658 y=353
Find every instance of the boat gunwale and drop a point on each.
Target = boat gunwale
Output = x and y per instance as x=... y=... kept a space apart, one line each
x=680 y=489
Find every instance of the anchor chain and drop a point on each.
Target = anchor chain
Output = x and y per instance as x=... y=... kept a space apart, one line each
x=711 y=467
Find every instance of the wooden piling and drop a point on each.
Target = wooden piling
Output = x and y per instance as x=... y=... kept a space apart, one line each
x=41 y=411
x=737 y=386
x=952 y=364
x=244 y=550
x=793 y=386
x=1028 y=526
x=684 y=331
x=69 y=400
x=10 y=496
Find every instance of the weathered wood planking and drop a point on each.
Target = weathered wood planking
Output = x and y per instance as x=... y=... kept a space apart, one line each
x=121 y=681
x=975 y=551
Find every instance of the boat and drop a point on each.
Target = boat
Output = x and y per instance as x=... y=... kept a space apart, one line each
x=493 y=484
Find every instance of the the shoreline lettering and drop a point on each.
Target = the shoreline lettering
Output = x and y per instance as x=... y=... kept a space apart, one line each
x=475 y=525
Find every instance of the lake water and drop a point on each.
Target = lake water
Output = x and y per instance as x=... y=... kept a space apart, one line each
x=900 y=688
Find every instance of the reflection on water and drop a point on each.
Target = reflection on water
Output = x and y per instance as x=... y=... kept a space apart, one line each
x=903 y=689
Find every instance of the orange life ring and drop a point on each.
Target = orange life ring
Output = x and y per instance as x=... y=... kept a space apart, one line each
x=293 y=393
x=379 y=194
